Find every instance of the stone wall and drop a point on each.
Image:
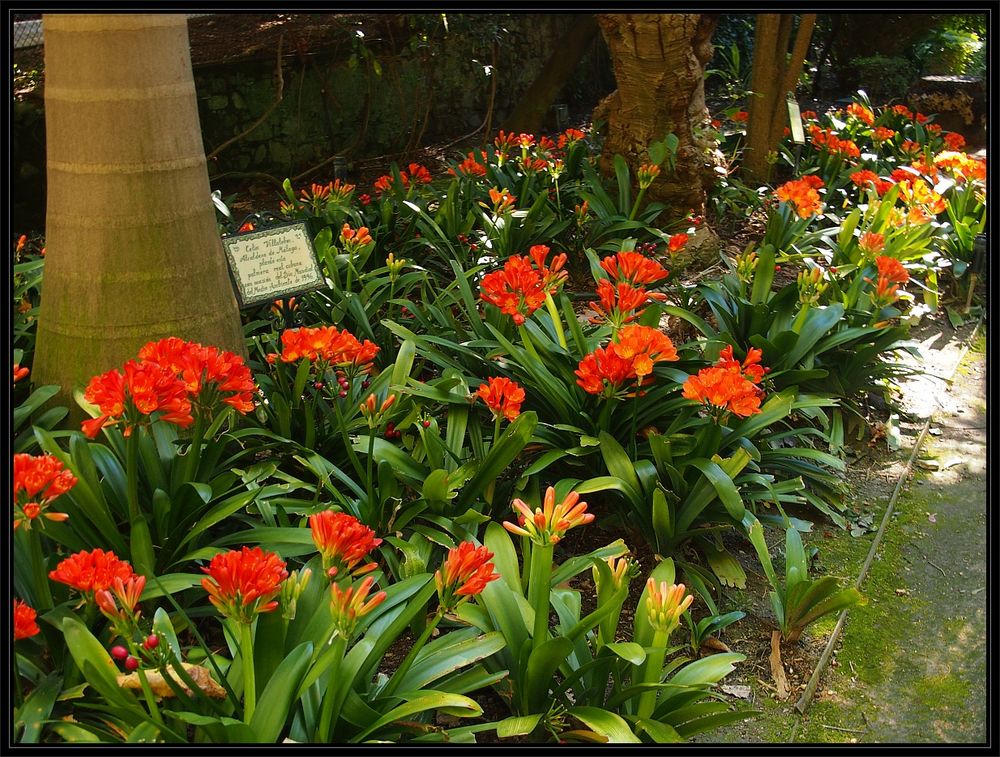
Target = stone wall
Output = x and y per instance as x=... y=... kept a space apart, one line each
x=337 y=101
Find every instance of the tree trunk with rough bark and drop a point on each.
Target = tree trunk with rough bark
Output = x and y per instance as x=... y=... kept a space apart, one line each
x=529 y=114
x=659 y=63
x=775 y=73
x=132 y=249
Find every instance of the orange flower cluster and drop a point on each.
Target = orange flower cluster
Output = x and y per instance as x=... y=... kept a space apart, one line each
x=348 y=605
x=521 y=286
x=470 y=166
x=871 y=243
x=917 y=194
x=665 y=603
x=910 y=147
x=549 y=523
x=882 y=134
x=621 y=302
x=827 y=140
x=354 y=240
x=891 y=274
x=208 y=373
x=464 y=573
x=501 y=201
x=531 y=165
x=633 y=268
x=728 y=386
x=954 y=141
x=130 y=397
x=37 y=482
x=903 y=111
x=414 y=174
x=864 y=178
x=19 y=372
x=861 y=113
x=120 y=600
x=91 y=571
x=343 y=541
x=740 y=115
x=320 y=194
x=502 y=396
x=325 y=344
x=802 y=195
x=570 y=137
x=961 y=166
x=24 y=621
x=626 y=364
x=676 y=242
x=241 y=584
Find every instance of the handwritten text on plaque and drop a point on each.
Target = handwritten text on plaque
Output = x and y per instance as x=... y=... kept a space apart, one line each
x=272 y=263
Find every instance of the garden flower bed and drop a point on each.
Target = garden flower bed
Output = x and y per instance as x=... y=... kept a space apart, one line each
x=453 y=477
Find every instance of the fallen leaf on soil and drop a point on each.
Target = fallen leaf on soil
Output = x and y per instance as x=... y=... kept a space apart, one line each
x=161 y=688
x=932 y=517
x=777 y=669
x=903 y=592
x=740 y=692
x=711 y=645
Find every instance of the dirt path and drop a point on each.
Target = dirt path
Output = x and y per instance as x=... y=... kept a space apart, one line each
x=911 y=663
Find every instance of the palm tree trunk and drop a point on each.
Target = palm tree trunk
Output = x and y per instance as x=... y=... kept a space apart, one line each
x=132 y=248
x=659 y=62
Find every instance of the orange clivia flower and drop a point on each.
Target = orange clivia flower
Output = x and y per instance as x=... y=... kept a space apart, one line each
x=871 y=243
x=677 y=242
x=470 y=166
x=961 y=166
x=882 y=134
x=665 y=603
x=132 y=396
x=521 y=286
x=501 y=200
x=903 y=111
x=861 y=113
x=243 y=583
x=808 y=115
x=24 y=621
x=91 y=571
x=502 y=396
x=801 y=194
x=633 y=268
x=419 y=173
x=343 y=541
x=646 y=174
x=325 y=344
x=210 y=375
x=621 y=302
x=750 y=368
x=37 y=482
x=607 y=373
x=549 y=523
x=910 y=147
x=954 y=141
x=570 y=137
x=463 y=574
x=728 y=386
x=644 y=346
x=740 y=115
x=891 y=274
x=120 y=600
x=348 y=605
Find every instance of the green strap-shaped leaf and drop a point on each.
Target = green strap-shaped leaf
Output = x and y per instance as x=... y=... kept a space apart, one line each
x=501 y=454
x=610 y=725
x=454 y=704
x=541 y=667
x=279 y=694
x=724 y=486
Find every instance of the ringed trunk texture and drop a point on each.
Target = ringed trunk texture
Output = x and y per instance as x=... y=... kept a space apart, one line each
x=132 y=249
x=659 y=63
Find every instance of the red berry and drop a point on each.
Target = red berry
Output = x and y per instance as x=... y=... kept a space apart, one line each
x=427 y=424
x=342 y=393
x=343 y=382
x=131 y=663
x=777 y=268
x=390 y=427
x=119 y=652
x=152 y=641
x=318 y=385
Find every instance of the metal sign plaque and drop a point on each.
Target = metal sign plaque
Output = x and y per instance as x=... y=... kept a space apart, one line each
x=272 y=263
x=795 y=119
